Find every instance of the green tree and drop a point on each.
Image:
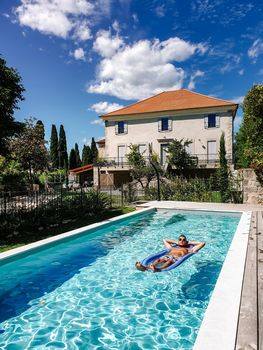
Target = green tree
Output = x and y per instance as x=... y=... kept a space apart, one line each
x=11 y=93
x=141 y=170
x=86 y=155
x=54 y=147
x=40 y=125
x=223 y=179
x=30 y=150
x=93 y=150
x=72 y=159
x=78 y=160
x=241 y=160
x=253 y=121
x=249 y=145
x=62 y=149
x=178 y=157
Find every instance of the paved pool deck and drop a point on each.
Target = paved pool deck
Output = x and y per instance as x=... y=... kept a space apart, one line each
x=244 y=331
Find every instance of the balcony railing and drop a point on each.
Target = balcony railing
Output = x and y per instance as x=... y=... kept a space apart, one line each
x=201 y=160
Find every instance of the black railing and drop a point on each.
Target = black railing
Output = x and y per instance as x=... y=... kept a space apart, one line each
x=201 y=160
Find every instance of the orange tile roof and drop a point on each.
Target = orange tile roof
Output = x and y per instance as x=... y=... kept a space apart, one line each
x=171 y=101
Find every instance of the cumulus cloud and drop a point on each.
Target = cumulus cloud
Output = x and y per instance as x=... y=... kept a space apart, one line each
x=106 y=45
x=98 y=122
x=104 y=107
x=255 y=50
x=79 y=54
x=60 y=18
x=145 y=68
x=193 y=77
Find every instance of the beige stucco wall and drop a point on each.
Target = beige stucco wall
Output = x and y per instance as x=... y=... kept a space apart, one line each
x=141 y=131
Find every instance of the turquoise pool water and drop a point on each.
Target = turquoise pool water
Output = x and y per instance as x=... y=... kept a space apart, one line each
x=86 y=293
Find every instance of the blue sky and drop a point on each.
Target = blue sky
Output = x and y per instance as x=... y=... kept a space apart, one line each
x=79 y=59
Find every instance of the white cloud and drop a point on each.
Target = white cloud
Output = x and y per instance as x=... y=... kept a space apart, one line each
x=145 y=68
x=105 y=45
x=160 y=11
x=135 y=18
x=116 y=26
x=98 y=122
x=192 y=81
x=79 y=54
x=241 y=71
x=256 y=50
x=104 y=107
x=54 y=17
x=82 y=31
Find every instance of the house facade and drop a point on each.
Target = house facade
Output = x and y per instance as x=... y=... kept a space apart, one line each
x=155 y=122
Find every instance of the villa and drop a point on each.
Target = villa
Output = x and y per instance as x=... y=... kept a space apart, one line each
x=156 y=121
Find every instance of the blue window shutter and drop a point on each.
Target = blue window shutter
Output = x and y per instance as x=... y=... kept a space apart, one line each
x=116 y=128
x=206 y=122
x=170 y=124
x=217 y=121
x=160 y=125
x=125 y=128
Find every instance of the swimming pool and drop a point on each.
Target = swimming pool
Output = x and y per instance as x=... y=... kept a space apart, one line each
x=85 y=293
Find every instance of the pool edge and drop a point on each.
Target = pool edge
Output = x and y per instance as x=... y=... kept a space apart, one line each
x=219 y=325
x=9 y=254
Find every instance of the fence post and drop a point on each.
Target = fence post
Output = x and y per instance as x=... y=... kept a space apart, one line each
x=61 y=199
x=122 y=197
x=81 y=198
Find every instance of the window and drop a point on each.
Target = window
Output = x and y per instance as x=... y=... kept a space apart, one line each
x=212 y=121
x=211 y=151
x=165 y=124
x=121 y=127
x=189 y=148
x=142 y=149
x=164 y=153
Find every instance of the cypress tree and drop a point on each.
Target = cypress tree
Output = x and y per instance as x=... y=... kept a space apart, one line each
x=93 y=150
x=223 y=172
x=40 y=125
x=78 y=160
x=63 y=153
x=86 y=155
x=72 y=159
x=54 y=147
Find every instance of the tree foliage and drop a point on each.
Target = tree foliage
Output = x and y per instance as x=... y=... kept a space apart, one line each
x=178 y=157
x=72 y=159
x=93 y=150
x=41 y=126
x=249 y=145
x=141 y=170
x=223 y=179
x=29 y=149
x=62 y=149
x=11 y=93
x=78 y=160
x=54 y=148
x=86 y=155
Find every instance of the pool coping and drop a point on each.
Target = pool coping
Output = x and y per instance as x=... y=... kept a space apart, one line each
x=219 y=326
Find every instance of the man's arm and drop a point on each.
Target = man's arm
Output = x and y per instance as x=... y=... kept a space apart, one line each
x=168 y=243
x=197 y=246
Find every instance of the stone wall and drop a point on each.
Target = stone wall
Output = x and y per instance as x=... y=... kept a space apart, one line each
x=252 y=189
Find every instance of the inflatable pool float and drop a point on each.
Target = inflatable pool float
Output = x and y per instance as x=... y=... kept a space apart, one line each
x=151 y=258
